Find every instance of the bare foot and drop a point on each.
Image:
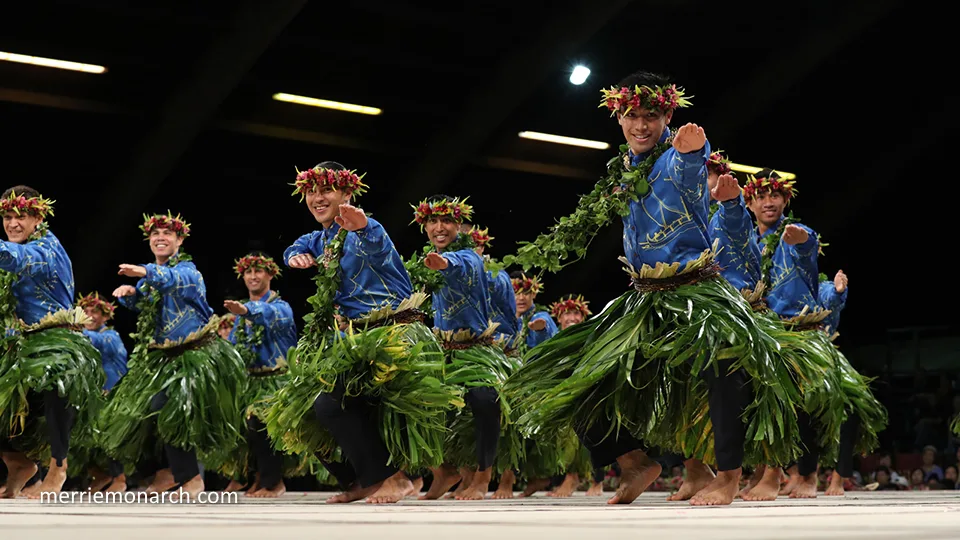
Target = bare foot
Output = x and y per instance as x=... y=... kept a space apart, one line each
x=272 y=493
x=596 y=489
x=355 y=493
x=754 y=480
x=806 y=487
x=119 y=484
x=835 y=489
x=31 y=492
x=190 y=489
x=233 y=486
x=637 y=472
x=793 y=478
x=505 y=489
x=256 y=485
x=768 y=488
x=98 y=479
x=19 y=471
x=698 y=477
x=392 y=489
x=477 y=489
x=466 y=478
x=162 y=482
x=721 y=491
x=53 y=481
x=417 y=487
x=535 y=485
x=444 y=477
x=567 y=487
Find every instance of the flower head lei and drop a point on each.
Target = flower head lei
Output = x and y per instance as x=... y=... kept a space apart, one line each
x=459 y=210
x=321 y=177
x=757 y=186
x=718 y=163
x=526 y=285
x=266 y=264
x=481 y=237
x=570 y=304
x=169 y=221
x=94 y=301
x=624 y=99
x=36 y=206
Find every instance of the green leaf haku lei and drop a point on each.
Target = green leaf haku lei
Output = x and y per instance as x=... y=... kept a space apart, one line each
x=247 y=342
x=609 y=199
x=149 y=306
x=327 y=279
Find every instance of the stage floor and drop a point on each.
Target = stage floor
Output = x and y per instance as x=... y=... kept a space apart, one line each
x=930 y=515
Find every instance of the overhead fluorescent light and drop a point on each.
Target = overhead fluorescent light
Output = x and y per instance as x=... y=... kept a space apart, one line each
x=559 y=139
x=579 y=75
x=327 y=104
x=754 y=170
x=52 y=63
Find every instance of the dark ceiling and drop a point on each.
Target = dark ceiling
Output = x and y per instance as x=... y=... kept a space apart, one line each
x=837 y=92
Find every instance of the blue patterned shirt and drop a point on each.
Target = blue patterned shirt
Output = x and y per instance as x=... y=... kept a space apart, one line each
x=113 y=355
x=834 y=301
x=279 y=329
x=739 y=252
x=463 y=302
x=184 y=307
x=44 y=276
x=794 y=276
x=503 y=304
x=536 y=337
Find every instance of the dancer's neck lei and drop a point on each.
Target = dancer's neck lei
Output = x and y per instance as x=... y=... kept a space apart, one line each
x=609 y=200
x=425 y=279
x=149 y=306
x=524 y=328
x=321 y=320
x=248 y=342
x=8 y=301
x=769 y=245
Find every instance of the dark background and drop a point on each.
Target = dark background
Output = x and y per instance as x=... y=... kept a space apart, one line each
x=848 y=95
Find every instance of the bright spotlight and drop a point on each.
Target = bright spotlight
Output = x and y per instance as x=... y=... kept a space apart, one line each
x=579 y=75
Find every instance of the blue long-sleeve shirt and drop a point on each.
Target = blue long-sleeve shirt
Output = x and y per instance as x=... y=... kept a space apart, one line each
x=463 y=302
x=739 y=252
x=669 y=223
x=372 y=274
x=536 y=337
x=184 y=307
x=794 y=276
x=834 y=301
x=113 y=355
x=279 y=328
x=503 y=305
x=44 y=276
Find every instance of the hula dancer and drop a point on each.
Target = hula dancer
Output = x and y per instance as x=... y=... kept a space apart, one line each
x=681 y=336
x=462 y=322
x=499 y=289
x=536 y=326
x=225 y=328
x=789 y=271
x=182 y=395
x=113 y=356
x=373 y=394
x=50 y=375
x=263 y=332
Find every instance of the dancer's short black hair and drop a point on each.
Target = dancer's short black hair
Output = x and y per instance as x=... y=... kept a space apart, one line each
x=767 y=173
x=258 y=253
x=645 y=78
x=330 y=165
x=439 y=197
x=26 y=191
x=517 y=274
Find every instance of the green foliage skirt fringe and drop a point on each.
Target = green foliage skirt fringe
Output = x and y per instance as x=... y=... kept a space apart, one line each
x=53 y=359
x=399 y=367
x=240 y=463
x=635 y=366
x=476 y=367
x=205 y=387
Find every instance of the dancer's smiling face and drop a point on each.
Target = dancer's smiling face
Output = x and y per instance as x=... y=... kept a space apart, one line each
x=441 y=231
x=164 y=243
x=768 y=207
x=257 y=280
x=324 y=203
x=20 y=226
x=642 y=128
x=570 y=317
x=97 y=317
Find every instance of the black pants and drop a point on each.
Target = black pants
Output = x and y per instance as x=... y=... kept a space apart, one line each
x=605 y=449
x=485 y=404
x=351 y=421
x=848 y=437
x=114 y=468
x=808 y=461
x=59 y=416
x=183 y=462
x=269 y=461
x=728 y=395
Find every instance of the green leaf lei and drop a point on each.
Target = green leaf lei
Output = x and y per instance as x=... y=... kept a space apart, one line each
x=149 y=307
x=610 y=199
x=769 y=244
x=321 y=320
x=427 y=280
x=247 y=342
x=521 y=339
